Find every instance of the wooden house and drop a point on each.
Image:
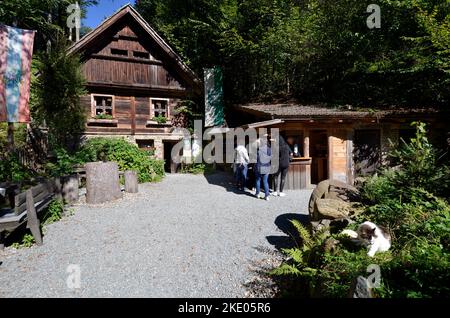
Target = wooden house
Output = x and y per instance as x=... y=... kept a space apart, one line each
x=135 y=81
x=340 y=144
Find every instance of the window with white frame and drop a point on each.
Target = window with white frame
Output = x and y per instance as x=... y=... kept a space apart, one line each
x=159 y=107
x=102 y=106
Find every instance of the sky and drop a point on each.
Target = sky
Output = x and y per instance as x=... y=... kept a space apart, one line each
x=105 y=8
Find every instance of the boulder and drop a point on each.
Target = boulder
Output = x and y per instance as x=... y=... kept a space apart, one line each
x=342 y=191
x=361 y=288
x=319 y=192
x=319 y=225
x=337 y=191
x=332 y=209
x=332 y=226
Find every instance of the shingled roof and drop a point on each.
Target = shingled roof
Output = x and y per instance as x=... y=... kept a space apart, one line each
x=301 y=111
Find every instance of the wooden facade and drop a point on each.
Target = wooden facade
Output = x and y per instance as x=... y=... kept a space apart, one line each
x=339 y=145
x=135 y=82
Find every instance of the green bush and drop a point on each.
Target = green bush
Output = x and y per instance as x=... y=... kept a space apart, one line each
x=20 y=136
x=127 y=156
x=160 y=119
x=54 y=212
x=104 y=116
x=197 y=168
x=64 y=163
x=406 y=201
x=12 y=170
x=27 y=241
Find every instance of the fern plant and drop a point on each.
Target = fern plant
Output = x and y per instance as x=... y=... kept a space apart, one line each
x=303 y=259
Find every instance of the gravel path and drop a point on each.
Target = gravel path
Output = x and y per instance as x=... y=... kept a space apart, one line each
x=188 y=236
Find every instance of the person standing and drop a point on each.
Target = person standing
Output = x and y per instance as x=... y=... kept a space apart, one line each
x=241 y=165
x=262 y=169
x=279 y=177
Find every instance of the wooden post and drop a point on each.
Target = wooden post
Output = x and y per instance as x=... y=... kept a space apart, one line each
x=32 y=219
x=131 y=181
x=102 y=182
x=10 y=137
x=331 y=133
x=133 y=115
x=350 y=172
x=306 y=155
x=57 y=183
x=66 y=188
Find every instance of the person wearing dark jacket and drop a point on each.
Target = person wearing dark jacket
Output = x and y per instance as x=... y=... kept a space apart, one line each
x=262 y=168
x=285 y=154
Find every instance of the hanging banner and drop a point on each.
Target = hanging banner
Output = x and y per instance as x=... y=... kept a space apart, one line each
x=16 y=50
x=214 y=105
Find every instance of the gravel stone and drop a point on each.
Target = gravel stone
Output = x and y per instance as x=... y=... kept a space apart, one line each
x=187 y=236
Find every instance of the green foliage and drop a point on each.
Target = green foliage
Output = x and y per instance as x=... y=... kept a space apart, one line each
x=160 y=119
x=104 y=116
x=185 y=113
x=64 y=163
x=54 y=212
x=33 y=15
x=20 y=136
x=420 y=166
x=10 y=167
x=127 y=156
x=403 y=200
x=197 y=168
x=303 y=258
x=314 y=49
x=56 y=92
x=26 y=242
x=12 y=170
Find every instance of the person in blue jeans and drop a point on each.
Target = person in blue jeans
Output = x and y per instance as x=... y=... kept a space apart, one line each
x=262 y=169
x=241 y=160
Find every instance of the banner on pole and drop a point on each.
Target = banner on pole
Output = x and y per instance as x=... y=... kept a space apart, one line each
x=16 y=51
x=214 y=105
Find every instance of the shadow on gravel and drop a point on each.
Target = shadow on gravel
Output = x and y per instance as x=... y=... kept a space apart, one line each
x=263 y=284
x=283 y=222
x=226 y=181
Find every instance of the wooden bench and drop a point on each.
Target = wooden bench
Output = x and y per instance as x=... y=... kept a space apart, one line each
x=27 y=206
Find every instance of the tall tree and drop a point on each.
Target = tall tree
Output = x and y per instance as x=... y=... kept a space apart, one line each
x=317 y=50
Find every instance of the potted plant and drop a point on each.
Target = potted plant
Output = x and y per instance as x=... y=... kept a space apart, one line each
x=159 y=120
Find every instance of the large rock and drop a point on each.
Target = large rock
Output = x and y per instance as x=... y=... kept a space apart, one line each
x=333 y=190
x=102 y=182
x=361 y=288
x=342 y=191
x=332 y=209
x=319 y=192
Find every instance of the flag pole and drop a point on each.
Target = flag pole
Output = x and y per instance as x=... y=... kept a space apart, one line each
x=10 y=138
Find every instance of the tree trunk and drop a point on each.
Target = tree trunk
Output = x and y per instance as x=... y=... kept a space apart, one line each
x=102 y=182
x=131 y=182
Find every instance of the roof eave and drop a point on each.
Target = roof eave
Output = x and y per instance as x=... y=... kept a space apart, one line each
x=128 y=9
